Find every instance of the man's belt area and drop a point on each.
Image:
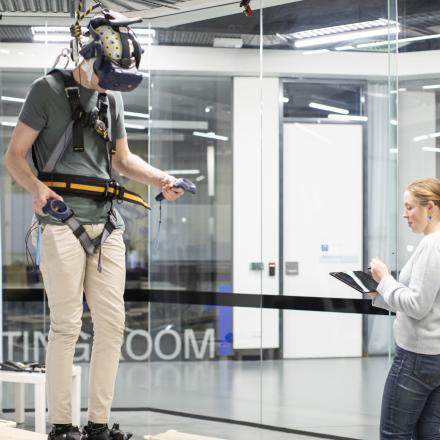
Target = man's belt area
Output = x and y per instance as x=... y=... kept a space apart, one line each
x=92 y=187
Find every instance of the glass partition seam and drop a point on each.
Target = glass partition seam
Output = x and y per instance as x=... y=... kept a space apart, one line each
x=281 y=213
x=45 y=306
x=392 y=55
x=437 y=128
x=148 y=156
x=365 y=216
x=395 y=133
x=261 y=204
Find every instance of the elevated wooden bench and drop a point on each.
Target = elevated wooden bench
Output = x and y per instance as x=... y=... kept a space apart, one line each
x=38 y=380
x=8 y=433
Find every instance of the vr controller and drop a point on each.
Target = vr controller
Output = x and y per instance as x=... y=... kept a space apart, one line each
x=183 y=183
x=57 y=209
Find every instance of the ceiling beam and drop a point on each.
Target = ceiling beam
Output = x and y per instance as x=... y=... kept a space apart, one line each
x=163 y=17
x=199 y=10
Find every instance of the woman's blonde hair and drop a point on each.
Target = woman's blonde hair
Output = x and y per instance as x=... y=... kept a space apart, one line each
x=426 y=190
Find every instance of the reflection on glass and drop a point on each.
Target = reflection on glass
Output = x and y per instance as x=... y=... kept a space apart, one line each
x=351 y=136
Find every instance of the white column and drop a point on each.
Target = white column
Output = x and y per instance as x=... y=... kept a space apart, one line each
x=76 y=395
x=256 y=205
x=40 y=407
x=19 y=402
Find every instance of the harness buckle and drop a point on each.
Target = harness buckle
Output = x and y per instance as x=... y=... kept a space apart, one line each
x=115 y=187
x=70 y=92
x=121 y=191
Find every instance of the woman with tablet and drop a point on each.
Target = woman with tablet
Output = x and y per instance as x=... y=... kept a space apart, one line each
x=411 y=398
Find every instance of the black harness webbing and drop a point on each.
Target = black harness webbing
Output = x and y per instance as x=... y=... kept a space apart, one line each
x=94 y=187
x=90 y=245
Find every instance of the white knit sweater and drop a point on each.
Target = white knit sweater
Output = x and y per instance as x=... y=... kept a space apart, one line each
x=415 y=298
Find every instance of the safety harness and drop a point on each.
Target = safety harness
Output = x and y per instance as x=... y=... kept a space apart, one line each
x=92 y=187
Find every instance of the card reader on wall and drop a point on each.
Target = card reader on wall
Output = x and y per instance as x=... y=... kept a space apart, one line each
x=292 y=268
x=257 y=265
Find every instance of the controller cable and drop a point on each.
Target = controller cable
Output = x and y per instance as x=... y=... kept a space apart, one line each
x=58 y=212
x=183 y=183
x=156 y=240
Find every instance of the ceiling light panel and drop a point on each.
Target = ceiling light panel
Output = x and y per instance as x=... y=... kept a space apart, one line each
x=347 y=118
x=328 y=108
x=342 y=28
x=347 y=36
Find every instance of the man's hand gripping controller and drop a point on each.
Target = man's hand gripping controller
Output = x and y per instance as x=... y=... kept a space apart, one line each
x=183 y=183
x=57 y=209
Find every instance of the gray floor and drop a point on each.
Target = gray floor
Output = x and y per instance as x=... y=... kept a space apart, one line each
x=151 y=423
x=339 y=397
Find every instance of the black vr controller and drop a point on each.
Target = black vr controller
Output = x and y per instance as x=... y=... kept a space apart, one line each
x=183 y=183
x=57 y=209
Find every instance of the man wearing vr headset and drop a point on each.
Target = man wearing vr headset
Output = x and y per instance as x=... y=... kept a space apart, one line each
x=56 y=103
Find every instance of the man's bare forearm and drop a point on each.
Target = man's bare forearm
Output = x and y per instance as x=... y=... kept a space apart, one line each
x=21 y=172
x=137 y=169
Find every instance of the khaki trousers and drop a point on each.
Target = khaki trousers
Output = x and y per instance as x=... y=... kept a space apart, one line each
x=68 y=272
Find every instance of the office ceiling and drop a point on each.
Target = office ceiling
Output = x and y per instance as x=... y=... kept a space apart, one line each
x=200 y=22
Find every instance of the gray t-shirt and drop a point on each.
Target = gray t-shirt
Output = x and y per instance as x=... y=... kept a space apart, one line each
x=47 y=110
x=416 y=298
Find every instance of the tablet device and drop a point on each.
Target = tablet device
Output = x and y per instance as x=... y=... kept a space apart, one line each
x=357 y=279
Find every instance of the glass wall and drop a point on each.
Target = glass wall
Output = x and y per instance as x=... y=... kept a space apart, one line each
x=300 y=134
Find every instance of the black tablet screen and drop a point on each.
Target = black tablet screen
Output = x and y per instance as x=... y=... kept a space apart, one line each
x=359 y=280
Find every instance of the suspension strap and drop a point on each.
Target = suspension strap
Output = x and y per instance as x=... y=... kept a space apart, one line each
x=59 y=150
x=80 y=233
x=112 y=122
x=76 y=109
x=91 y=246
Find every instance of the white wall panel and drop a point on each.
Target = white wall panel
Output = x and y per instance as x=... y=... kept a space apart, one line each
x=322 y=233
x=256 y=204
x=220 y=61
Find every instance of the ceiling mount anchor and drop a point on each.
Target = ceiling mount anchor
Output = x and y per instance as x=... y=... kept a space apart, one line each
x=247 y=8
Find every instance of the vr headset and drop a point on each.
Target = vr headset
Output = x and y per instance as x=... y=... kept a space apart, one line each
x=121 y=74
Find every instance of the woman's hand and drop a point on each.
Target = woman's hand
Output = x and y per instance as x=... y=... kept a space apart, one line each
x=378 y=269
x=372 y=295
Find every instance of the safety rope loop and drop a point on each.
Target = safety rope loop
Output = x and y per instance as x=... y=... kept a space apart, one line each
x=90 y=9
x=75 y=29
